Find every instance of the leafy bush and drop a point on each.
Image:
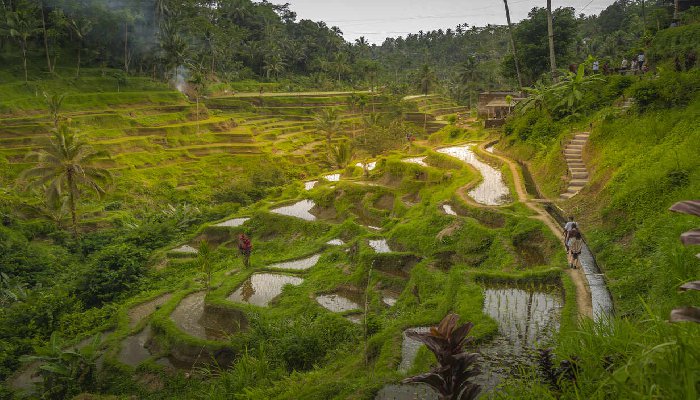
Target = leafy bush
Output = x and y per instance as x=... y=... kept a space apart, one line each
x=112 y=271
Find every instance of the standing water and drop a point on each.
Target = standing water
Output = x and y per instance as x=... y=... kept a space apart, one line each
x=232 y=223
x=261 y=289
x=380 y=246
x=332 y=178
x=448 y=209
x=300 y=210
x=301 y=264
x=416 y=160
x=191 y=317
x=527 y=318
x=492 y=191
x=310 y=185
x=337 y=303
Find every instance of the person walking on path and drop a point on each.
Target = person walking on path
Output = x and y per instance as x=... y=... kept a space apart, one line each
x=568 y=227
x=245 y=247
x=640 y=61
x=574 y=244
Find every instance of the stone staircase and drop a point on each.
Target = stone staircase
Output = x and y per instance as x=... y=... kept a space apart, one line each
x=573 y=153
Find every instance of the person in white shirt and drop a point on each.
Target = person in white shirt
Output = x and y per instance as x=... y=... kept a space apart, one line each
x=571 y=224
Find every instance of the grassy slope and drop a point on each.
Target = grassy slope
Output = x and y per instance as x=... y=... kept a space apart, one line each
x=641 y=163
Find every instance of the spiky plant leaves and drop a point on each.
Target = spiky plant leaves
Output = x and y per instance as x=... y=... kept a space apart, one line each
x=691 y=207
x=695 y=285
x=456 y=367
x=431 y=379
x=683 y=314
x=691 y=237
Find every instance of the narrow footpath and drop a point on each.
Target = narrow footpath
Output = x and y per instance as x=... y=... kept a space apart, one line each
x=583 y=294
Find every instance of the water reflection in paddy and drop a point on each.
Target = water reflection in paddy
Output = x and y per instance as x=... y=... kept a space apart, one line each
x=527 y=318
x=332 y=177
x=301 y=264
x=448 y=209
x=492 y=190
x=260 y=289
x=416 y=160
x=380 y=246
x=232 y=223
x=133 y=349
x=310 y=185
x=299 y=209
x=337 y=303
x=190 y=316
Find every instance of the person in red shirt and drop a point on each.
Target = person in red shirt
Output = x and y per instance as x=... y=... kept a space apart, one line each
x=245 y=247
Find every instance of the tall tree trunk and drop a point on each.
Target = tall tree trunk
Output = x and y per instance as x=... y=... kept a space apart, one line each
x=126 y=46
x=46 y=39
x=71 y=204
x=512 y=46
x=24 y=60
x=80 y=50
x=550 y=31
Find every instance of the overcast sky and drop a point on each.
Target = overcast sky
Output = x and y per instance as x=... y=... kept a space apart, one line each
x=378 y=19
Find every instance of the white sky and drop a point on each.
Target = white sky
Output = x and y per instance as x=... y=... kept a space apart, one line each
x=378 y=19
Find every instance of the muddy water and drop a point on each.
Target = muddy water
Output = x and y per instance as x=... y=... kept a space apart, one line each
x=492 y=190
x=310 y=185
x=380 y=246
x=337 y=303
x=355 y=318
x=410 y=347
x=133 y=349
x=260 y=289
x=332 y=177
x=299 y=265
x=232 y=223
x=335 y=242
x=389 y=301
x=191 y=318
x=416 y=160
x=527 y=318
x=300 y=210
x=448 y=209
x=143 y=310
x=406 y=392
x=185 y=249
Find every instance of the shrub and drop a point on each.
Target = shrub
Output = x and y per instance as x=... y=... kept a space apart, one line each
x=112 y=271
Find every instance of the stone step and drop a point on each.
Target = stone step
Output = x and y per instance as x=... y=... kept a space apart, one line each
x=574 y=189
x=579 y=175
x=574 y=146
x=567 y=195
x=577 y=169
x=578 y=141
x=573 y=152
x=582 y=134
x=578 y=182
x=574 y=162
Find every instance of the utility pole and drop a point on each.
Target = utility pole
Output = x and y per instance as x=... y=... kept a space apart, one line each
x=512 y=45
x=550 y=31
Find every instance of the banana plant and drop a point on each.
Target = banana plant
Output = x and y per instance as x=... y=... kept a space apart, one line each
x=690 y=238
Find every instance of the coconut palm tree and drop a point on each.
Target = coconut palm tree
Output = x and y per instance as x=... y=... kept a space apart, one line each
x=327 y=122
x=81 y=27
x=512 y=45
x=426 y=79
x=23 y=25
x=54 y=103
x=65 y=164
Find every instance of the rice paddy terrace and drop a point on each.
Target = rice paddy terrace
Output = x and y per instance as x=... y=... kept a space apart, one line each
x=360 y=251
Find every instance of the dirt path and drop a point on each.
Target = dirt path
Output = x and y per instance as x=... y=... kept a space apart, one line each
x=583 y=295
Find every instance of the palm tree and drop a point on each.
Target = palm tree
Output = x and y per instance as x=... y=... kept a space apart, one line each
x=66 y=164
x=53 y=103
x=538 y=95
x=426 y=78
x=512 y=45
x=173 y=45
x=327 y=122
x=81 y=27
x=467 y=75
x=341 y=154
x=23 y=25
x=550 y=33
